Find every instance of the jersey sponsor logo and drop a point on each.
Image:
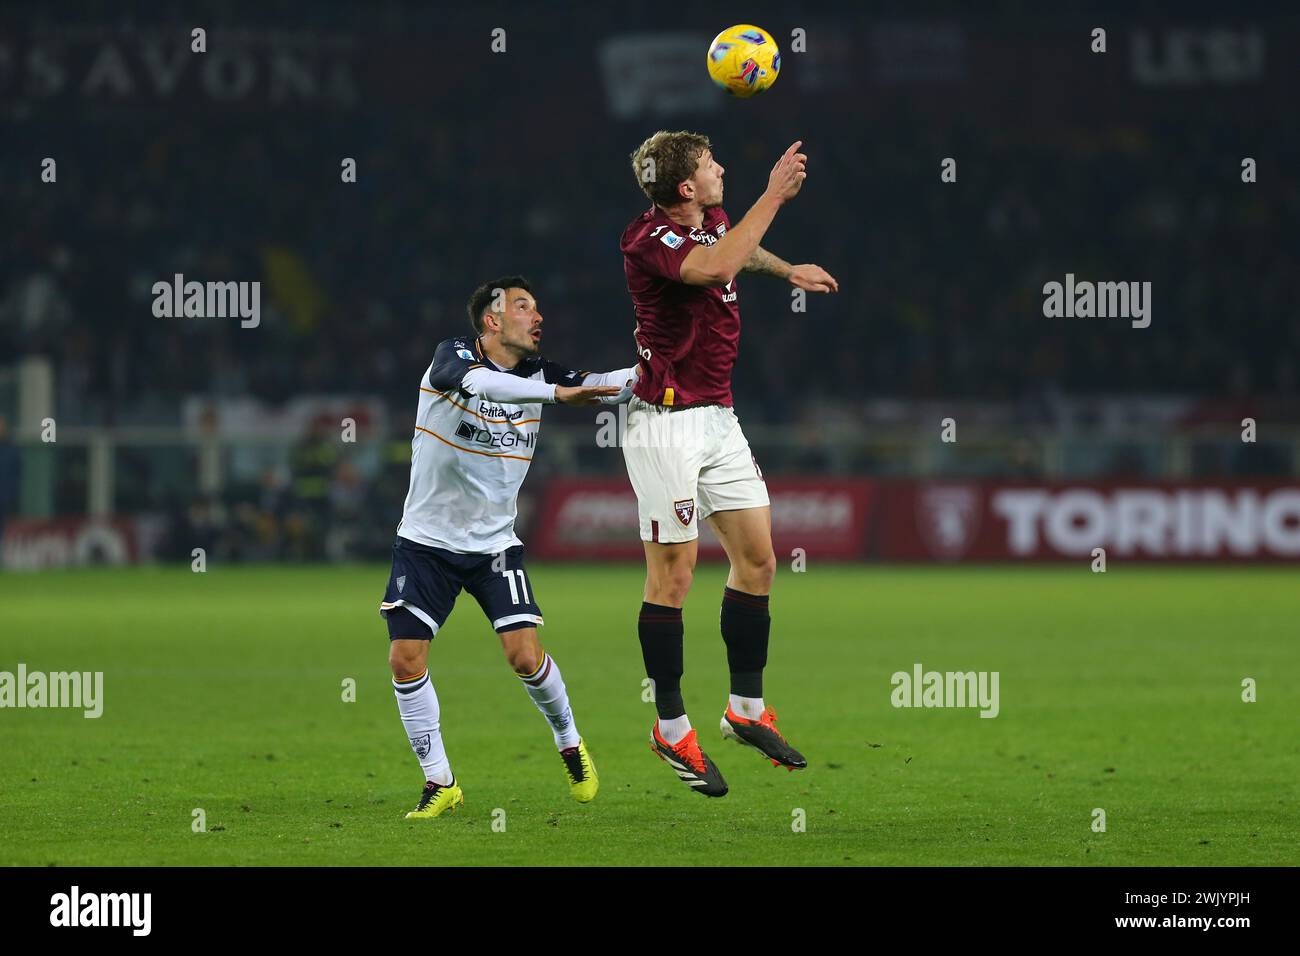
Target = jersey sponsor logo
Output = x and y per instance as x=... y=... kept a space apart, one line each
x=496 y=411
x=466 y=354
x=421 y=746
x=685 y=510
x=671 y=240
x=729 y=295
x=702 y=237
x=490 y=439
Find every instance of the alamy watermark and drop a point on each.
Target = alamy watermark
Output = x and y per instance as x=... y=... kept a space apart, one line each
x=922 y=688
x=79 y=690
x=656 y=426
x=76 y=908
x=1102 y=300
x=212 y=300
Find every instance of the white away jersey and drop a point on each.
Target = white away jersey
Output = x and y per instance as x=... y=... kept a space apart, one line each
x=469 y=455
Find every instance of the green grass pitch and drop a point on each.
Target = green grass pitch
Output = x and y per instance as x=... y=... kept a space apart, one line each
x=223 y=691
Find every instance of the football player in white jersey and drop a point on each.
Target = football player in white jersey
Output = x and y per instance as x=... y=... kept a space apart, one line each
x=475 y=433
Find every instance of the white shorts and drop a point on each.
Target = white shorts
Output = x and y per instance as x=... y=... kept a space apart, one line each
x=685 y=464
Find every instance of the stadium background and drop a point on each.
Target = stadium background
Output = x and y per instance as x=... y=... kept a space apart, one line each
x=1123 y=692
x=182 y=433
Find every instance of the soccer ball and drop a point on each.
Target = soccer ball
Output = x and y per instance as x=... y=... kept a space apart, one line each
x=744 y=60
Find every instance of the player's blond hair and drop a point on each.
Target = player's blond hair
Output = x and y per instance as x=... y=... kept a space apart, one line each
x=664 y=161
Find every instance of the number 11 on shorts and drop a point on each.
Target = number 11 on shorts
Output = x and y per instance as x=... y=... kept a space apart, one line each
x=508 y=574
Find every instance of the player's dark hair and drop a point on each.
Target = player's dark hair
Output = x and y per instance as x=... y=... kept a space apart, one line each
x=664 y=161
x=484 y=296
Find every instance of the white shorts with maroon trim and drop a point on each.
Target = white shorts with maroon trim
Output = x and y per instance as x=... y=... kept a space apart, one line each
x=685 y=464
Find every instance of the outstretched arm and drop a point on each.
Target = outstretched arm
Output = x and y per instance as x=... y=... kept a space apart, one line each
x=808 y=277
x=510 y=389
x=586 y=388
x=455 y=366
x=623 y=378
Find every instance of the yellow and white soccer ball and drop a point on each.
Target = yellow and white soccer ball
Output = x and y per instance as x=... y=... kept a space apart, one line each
x=744 y=60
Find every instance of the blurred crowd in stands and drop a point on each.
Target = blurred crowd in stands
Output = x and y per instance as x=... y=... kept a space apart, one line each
x=941 y=282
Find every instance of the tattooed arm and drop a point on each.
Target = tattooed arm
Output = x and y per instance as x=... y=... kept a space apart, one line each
x=808 y=277
x=761 y=262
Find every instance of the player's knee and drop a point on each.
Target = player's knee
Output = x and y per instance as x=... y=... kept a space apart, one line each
x=406 y=658
x=525 y=660
x=756 y=572
x=673 y=583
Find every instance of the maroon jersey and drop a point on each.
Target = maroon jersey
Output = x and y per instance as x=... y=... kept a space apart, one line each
x=687 y=335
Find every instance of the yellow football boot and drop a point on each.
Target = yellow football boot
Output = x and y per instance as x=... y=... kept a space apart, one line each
x=583 y=782
x=436 y=800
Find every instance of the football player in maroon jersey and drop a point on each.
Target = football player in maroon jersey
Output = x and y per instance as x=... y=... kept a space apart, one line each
x=686 y=455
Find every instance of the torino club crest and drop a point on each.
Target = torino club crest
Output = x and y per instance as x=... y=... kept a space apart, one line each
x=947 y=517
x=685 y=510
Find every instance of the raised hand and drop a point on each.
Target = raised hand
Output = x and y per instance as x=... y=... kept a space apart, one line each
x=788 y=174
